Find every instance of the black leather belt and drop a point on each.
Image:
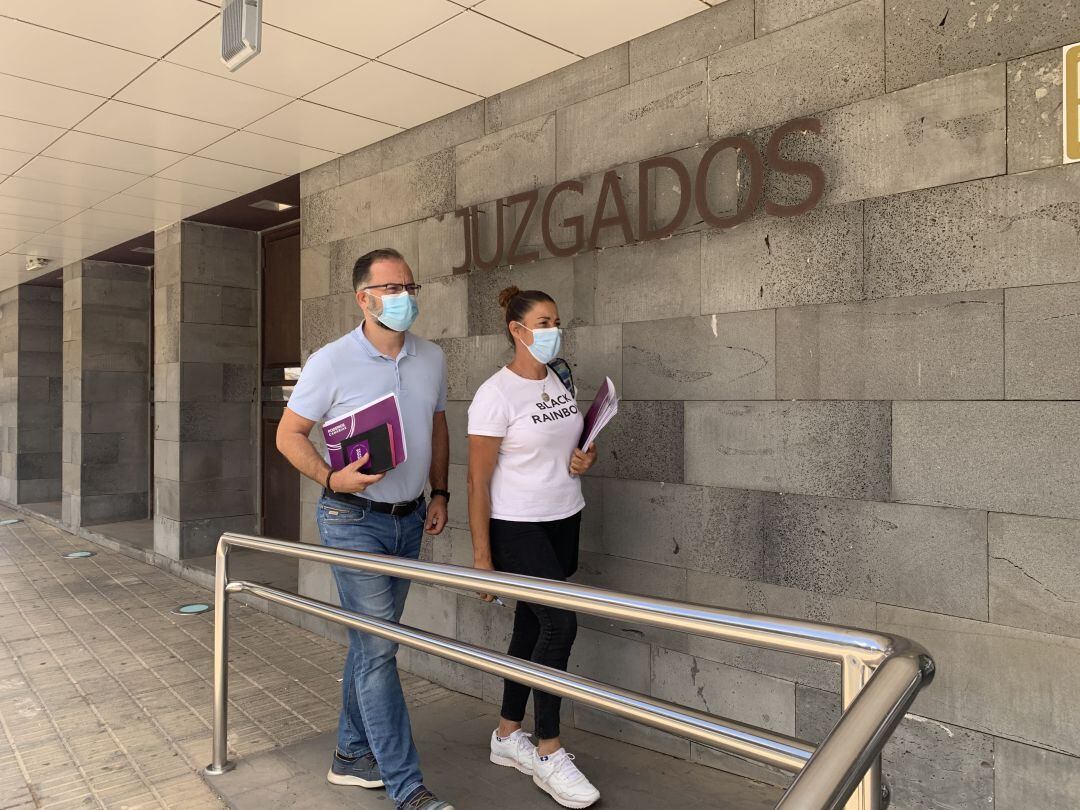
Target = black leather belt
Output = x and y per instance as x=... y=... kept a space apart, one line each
x=401 y=509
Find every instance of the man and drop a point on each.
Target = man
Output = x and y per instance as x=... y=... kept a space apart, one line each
x=383 y=514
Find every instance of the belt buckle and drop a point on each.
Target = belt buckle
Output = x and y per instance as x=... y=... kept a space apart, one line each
x=394 y=510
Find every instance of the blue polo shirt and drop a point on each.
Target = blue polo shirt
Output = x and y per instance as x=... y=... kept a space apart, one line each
x=350 y=372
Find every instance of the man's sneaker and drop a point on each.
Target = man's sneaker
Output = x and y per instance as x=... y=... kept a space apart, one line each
x=362 y=771
x=423 y=799
x=515 y=751
x=558 y=776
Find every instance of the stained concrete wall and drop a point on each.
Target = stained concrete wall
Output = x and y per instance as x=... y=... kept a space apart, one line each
x=864 y=415
x=206 y=361
x=106 y=393
x=30 y=394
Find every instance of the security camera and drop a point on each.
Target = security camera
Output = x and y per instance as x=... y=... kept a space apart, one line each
x=36 y=263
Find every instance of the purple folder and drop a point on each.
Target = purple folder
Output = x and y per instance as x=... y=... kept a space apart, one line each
x=383 y=411
x=602 y=411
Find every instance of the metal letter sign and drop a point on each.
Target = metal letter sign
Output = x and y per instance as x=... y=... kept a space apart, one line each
x=610 y=209
x=1070 y=98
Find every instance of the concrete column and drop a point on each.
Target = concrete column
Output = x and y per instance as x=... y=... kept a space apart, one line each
x=106 y=393
x=206 y=365
x=9 y=393
x=30 y=403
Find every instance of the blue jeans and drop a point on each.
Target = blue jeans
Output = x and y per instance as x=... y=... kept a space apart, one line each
x=373 y=713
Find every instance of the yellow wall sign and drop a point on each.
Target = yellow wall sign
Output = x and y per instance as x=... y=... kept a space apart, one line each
x=1070 y=98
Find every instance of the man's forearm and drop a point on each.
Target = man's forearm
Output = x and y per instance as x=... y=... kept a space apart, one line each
x=440 y=455
x=302 y=454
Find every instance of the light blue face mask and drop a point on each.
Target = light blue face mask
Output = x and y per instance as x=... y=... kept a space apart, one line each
x=397 y=312
x=546 y=344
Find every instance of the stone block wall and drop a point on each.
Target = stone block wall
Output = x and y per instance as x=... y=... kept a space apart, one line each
x=206 y=363
x=40 y=394
x=30 y=394
x=9 y=394
x=106 y=433
x=866 y=414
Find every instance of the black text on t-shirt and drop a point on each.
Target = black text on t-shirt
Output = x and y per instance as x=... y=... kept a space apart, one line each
x=556 y=408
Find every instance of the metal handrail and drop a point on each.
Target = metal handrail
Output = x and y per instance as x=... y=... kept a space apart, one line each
x=880 y=674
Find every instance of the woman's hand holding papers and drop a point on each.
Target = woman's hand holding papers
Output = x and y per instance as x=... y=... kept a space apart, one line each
x=580 y=462
x=484 y=565
x=350 y=479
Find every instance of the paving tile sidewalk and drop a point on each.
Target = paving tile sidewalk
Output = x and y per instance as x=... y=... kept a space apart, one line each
x=105 y=695
x=452 y=736
x=105 y=702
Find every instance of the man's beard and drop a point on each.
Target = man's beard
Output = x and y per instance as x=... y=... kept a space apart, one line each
x=383 y=326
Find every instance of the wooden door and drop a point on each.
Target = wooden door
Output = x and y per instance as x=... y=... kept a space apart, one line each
x=280 y=367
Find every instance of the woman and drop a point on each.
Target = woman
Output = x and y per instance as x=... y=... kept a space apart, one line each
x=525 y=507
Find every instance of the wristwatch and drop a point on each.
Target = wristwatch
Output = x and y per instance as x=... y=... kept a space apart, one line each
x=442 y=492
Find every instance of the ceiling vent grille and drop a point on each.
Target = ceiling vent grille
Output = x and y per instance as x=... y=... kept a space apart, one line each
x=241 y=31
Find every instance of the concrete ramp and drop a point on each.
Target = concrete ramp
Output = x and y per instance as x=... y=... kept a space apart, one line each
x=452 y=736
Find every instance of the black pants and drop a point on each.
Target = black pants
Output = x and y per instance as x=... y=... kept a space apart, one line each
x=543 y=635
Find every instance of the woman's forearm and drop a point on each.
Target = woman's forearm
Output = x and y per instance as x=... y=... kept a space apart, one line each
x=479 y=521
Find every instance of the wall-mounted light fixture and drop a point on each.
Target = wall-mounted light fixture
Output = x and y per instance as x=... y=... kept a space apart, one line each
x=270 y=205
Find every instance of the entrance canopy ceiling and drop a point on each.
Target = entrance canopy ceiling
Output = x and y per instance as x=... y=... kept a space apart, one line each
x=117 y=117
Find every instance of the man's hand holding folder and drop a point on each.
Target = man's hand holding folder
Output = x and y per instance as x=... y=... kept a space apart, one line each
x=350 y=479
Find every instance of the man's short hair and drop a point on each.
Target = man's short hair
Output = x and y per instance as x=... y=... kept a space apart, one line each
x=361 y=272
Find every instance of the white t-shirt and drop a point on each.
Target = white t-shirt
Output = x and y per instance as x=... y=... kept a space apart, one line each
x=532 y=480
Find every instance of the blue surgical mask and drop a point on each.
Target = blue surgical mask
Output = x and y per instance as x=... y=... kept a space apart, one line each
x=398 y=311
x=546 y=344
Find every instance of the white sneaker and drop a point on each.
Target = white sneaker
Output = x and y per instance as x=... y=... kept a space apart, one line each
x=515 y=751
x=558 y=776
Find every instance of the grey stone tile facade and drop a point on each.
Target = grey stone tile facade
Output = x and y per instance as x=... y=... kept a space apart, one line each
x=412 y=144
x=927 y=764
x=831 y=61
x=518 y=158
x=1033 y=573
x=767 y=262
x=599 y=73
x=1013 y=231
x=698 y=528
x=949 y=130
x=926 y=39
x=754 y=595
x=986 y=455
x=625 y=278
x=711 y=357
x=658 y=114
x=1028 y=776
x=933 y=559
x=772 y=15
x=925 y=347
x=835 y=448
x=1042 y=341
x=717 y=30
x=984 y=667
x=1034 y=132
x=865 y=414
x=740 y=694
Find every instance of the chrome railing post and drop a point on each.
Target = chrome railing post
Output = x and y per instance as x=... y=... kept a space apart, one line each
x=219 y=763
x=854 y=674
